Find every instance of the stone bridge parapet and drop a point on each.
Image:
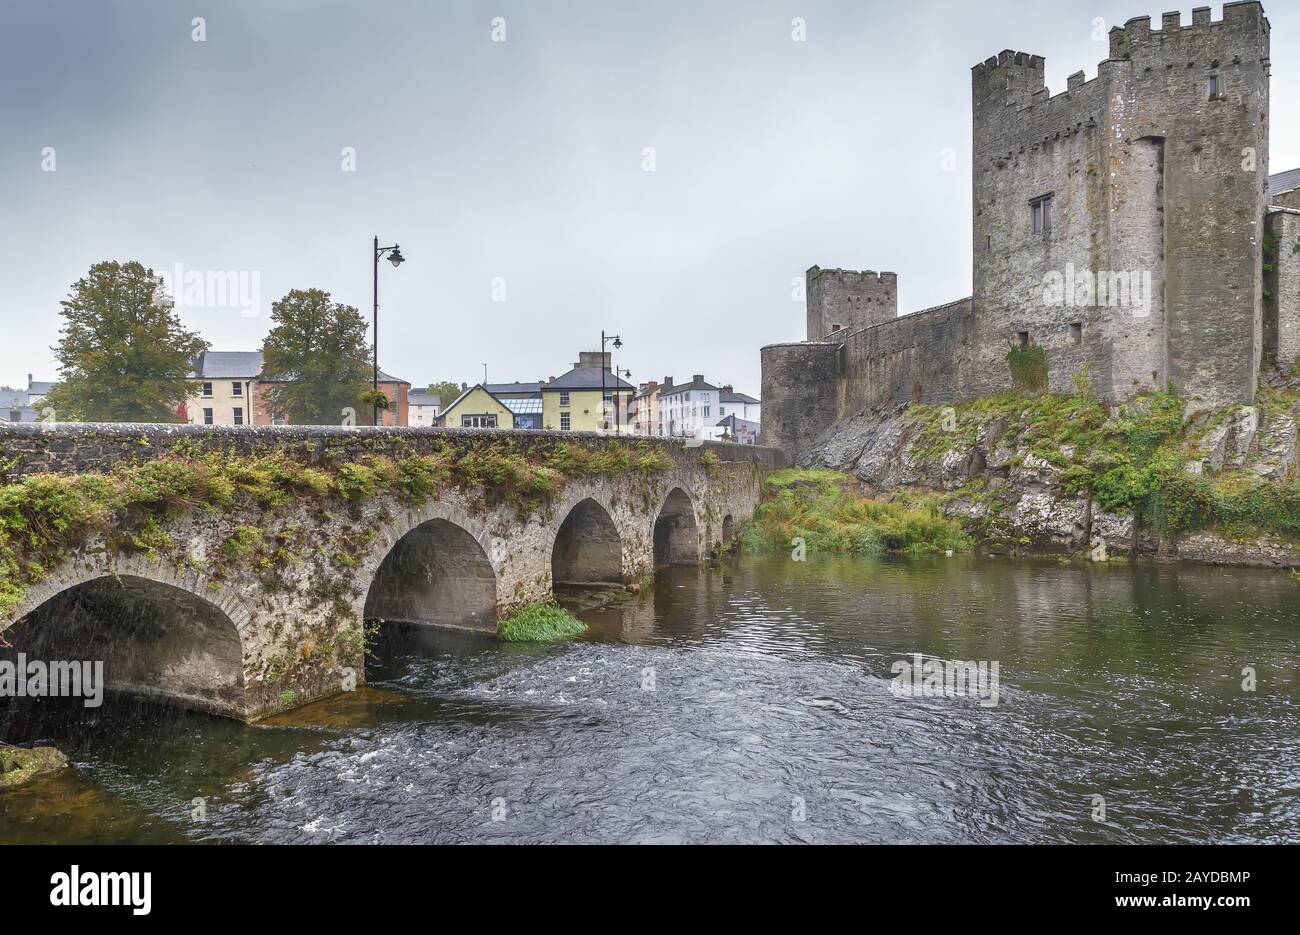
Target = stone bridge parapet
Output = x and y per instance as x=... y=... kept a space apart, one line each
x=235 y=569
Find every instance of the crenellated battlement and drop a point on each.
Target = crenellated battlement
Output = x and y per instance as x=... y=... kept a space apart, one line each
x=1137 y=33
x=854 y=276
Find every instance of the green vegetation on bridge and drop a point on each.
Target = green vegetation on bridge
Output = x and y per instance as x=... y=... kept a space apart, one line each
x=45 y=516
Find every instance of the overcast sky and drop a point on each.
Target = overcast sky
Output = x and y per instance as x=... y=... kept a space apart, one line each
x=515 y=165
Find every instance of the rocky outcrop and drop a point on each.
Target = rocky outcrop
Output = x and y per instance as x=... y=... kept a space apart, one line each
x=1014 y=495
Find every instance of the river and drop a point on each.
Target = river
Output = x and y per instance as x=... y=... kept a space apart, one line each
x=754 y=701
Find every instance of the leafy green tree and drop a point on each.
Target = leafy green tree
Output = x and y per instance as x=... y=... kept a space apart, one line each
x=123 y=355
x=446 y=389
x=317 y=359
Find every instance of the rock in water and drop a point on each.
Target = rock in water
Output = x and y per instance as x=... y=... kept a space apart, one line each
x=19 y=765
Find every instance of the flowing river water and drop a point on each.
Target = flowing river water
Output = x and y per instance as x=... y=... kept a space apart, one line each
x=751 y=701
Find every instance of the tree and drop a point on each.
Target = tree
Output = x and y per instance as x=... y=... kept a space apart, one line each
x=447 y=390
x=123 y=355
x=317 y=359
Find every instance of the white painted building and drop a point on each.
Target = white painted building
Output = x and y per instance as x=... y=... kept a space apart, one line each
x=421 y=408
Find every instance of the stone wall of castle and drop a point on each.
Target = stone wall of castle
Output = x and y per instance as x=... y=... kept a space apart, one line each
x=1145 y=269
x=1282 y=285
x=1156 y=170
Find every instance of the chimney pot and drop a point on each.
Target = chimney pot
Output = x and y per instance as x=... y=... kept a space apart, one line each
x=698 y=377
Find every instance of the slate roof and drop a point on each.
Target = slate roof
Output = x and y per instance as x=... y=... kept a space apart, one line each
x=513 y=389
x=1283 y=182
x=421 y=398
x=736 y=398
x=586 y=378
x=215 y=364
x=685 y=387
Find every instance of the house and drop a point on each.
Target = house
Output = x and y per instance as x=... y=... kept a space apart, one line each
x=688 y=410
x=643 y=409
x=232 y=391
x=37 y=390
x=589 y=398
x=226 y=388
x=477 y=408
x=15 y=405
x=738 y=404
x=421 y=408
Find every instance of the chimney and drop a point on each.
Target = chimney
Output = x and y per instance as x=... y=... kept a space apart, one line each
x=697 y=378
x=729 y=389
x=668 y=383
x=29 y=379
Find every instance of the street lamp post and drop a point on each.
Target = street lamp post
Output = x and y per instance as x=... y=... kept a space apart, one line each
x=395 y=257
x=618 y=342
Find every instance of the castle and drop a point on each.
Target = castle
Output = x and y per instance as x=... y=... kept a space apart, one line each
x=1119 y=225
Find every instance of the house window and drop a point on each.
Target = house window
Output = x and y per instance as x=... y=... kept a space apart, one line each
x=1022 y=340
x=609 y=395
x=207 y=416
x=1040 y=210
x=236 y=389
x=239 y=416
x=722 y=410
x=485 y=421
x=1076 y=332
x=706 y=412
x=565 y=422
x=279 y=419
x=564 y=399
x=207 y=390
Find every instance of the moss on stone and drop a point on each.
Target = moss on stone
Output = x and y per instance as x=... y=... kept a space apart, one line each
x=20 y=765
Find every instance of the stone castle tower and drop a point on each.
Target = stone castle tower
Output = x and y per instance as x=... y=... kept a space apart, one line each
x=1118 y=225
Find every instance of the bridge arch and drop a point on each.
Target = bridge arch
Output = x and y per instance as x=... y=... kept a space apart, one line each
x=587 y=548
x=167 y=640
x=676 y=532
x=438 y=573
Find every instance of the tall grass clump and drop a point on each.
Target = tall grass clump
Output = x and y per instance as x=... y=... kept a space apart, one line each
x=539 y=623
x=825 y=509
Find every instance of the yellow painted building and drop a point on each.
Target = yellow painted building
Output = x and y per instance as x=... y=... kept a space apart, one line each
x=573 y=402
x=476 y=408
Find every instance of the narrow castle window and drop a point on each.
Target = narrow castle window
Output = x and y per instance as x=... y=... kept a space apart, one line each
x=834 y=328
x=1076 y=332
x=1215 y=88
x=1022 y=339
x=1041 y=212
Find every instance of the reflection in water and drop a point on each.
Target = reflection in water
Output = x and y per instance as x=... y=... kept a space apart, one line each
x=771 y=687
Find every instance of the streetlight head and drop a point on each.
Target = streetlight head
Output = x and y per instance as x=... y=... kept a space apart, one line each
x=618 y=342
x=396 y=257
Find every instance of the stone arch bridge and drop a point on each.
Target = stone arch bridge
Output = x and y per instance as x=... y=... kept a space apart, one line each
x=236 y=570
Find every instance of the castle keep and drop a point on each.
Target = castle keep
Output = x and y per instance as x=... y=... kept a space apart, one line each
x=1119 y=225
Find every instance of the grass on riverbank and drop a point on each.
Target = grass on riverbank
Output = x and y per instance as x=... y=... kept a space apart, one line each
x=827 y=511
x=539 y=623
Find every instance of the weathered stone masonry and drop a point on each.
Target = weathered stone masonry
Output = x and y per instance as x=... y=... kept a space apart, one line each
x=1156 y=171
x=248 y=641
